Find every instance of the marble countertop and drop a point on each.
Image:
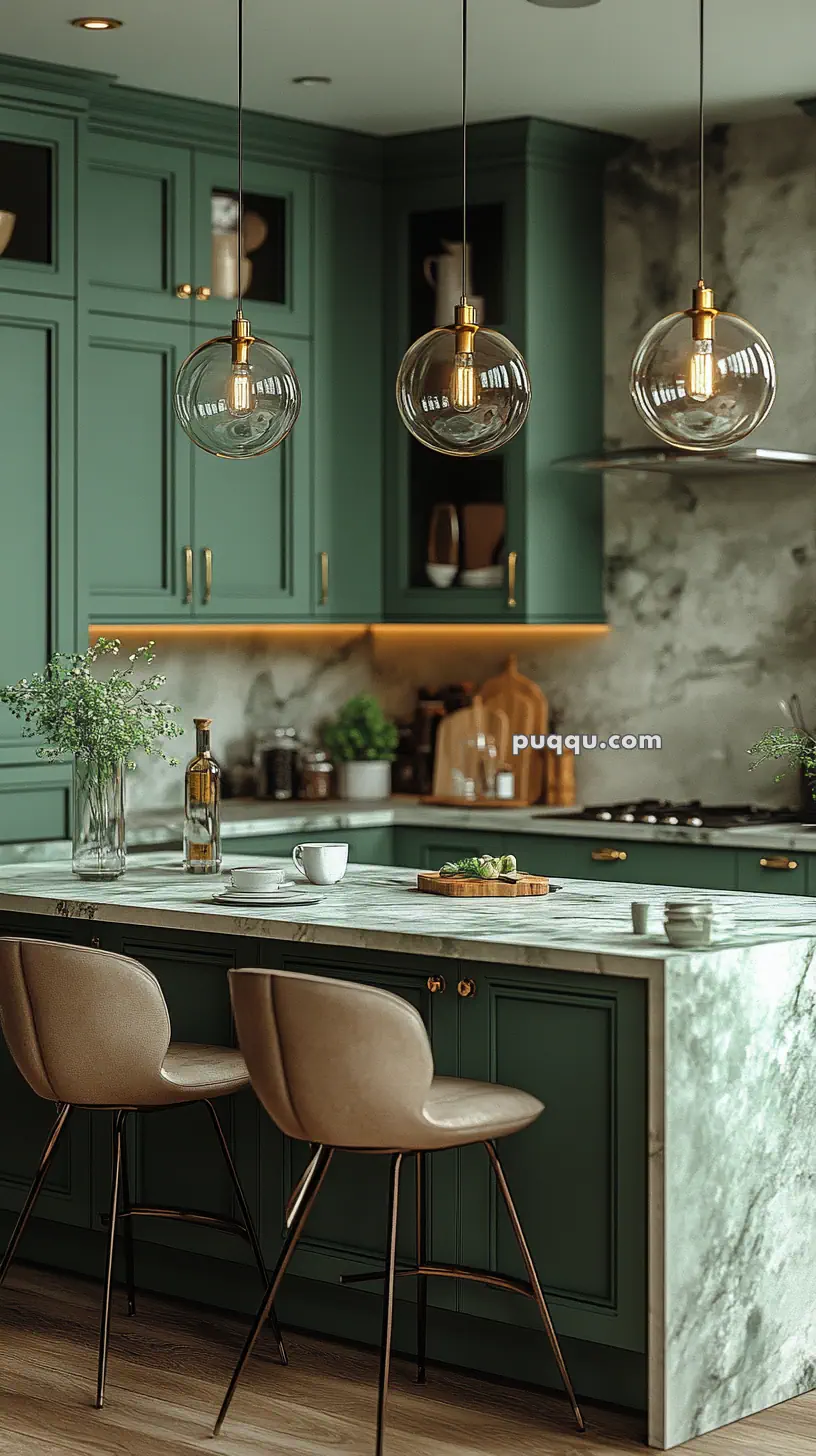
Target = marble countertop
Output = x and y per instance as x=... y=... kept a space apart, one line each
x=582 y=926
x=246 y=818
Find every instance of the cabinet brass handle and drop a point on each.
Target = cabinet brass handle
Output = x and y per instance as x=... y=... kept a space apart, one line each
x=467 y=988
x=778 y=862
x=512 y=558
x=607 y=855
x=208 y=560
x=203 y=293
x=188 y=574
x=324 y=578
x=184 y=290
x=436 y=983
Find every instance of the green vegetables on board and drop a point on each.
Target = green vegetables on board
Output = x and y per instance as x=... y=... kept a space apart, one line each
x=480 y=867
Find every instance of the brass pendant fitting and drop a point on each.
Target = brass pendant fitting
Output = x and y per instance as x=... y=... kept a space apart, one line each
x=702 y=312
x=242 y=337
x=466 y=326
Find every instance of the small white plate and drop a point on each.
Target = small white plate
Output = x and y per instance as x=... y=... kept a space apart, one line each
x=260 y=902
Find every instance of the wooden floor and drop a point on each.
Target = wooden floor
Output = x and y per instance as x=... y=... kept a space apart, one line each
x=169 y=1367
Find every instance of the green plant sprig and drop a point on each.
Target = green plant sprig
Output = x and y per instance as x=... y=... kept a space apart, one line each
x=103 y=719
x=360 y=732
x=796 y=750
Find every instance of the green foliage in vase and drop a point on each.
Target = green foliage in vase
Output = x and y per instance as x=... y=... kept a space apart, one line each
x=102 y=719
x=360 y=731
x=796 y=750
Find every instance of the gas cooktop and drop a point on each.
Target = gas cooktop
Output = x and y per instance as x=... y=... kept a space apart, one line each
x=694 y=815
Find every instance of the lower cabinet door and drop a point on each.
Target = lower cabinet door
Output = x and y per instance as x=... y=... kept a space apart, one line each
x=773 y=871
x=366 y=846
x=578 y=1174
x=346 y=1230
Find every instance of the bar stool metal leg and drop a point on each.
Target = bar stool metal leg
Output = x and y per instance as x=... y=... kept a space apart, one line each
x=130 y=1262
x=422 y=1259
x=40 y=1176
x=104 y=1326
x=532 y=1275
x=248 y=1223
x=295 y=1228
x=388 y=1299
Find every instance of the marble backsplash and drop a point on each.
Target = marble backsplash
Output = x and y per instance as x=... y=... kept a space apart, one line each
x=710 y=584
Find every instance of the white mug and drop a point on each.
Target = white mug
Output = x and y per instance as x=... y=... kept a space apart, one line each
x=323 y=864
x=256 y=878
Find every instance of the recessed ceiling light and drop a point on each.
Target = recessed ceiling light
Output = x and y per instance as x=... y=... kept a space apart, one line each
x=311 y=80
x=96 y=22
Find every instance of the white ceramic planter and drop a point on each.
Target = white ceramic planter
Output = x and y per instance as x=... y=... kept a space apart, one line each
x=365 y=779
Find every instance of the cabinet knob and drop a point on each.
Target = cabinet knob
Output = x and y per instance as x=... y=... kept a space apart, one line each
x=436 y=983
x=778 y=862
x=184 y=290
x=512 y=561
x=467 y=988
x=203 y=293
x=607 y=855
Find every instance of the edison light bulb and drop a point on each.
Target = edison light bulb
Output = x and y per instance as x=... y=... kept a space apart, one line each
x=464 y=394
x=703 y=379
x=240 y=393
x=701 y=370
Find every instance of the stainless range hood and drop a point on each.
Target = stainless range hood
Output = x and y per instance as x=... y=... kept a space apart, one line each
x=662 y=460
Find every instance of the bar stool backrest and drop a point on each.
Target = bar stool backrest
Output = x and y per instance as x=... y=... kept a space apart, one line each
x=333 y=1061
x=83 y=1026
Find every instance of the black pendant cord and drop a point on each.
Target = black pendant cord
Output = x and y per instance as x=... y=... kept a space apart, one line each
x=701 y=157
x=239 y=237
x=464 y=144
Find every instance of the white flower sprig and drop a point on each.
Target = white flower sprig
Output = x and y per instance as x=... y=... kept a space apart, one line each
x=103 y=719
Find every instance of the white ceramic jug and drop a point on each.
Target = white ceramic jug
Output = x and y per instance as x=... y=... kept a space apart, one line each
x=443 y=272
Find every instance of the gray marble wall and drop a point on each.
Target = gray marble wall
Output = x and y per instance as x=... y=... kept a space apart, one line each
x=710 y=585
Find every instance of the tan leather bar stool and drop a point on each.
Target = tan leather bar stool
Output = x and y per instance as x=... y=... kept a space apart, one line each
x=349 y=1067
x=90 y=1029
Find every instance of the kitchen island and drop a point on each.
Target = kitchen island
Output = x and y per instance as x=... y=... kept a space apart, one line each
x=667 y=1191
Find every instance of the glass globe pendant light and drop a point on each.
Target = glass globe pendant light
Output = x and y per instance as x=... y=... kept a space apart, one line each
x=236 y=395
x=703 y=379
x=463 y=389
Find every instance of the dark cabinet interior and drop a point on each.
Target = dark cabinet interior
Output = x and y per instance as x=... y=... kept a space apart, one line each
x=264 y=245
x=26 y=188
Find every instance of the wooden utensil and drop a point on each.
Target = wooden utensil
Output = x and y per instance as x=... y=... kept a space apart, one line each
x=432 y=883
x=459 y=729
x=527 y=712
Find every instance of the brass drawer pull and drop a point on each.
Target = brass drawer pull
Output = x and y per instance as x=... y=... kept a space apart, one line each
x=184 y=290
x=188 y=575
x=324 y=578
x=208 y=563
x=512 y=559
x=203 y=293
x=436 y=983
x=778 y=862
x=467 y=988
x=609 y=855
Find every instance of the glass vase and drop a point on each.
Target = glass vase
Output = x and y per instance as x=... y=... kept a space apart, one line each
x=99 y=819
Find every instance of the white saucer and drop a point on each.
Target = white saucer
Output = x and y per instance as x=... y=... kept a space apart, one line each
x=286 y=896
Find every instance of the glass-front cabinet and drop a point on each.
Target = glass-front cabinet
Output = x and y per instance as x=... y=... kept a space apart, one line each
x=37 y=202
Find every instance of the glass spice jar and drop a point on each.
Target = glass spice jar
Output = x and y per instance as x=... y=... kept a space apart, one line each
x=316 y=771
x=275 y=762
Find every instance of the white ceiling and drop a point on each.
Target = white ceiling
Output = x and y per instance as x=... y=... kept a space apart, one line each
x=626 y=65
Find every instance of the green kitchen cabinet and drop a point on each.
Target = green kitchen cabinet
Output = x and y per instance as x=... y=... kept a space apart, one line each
x=38 y=147
x=578 y=1174
x=370 y=845
x=536 y=231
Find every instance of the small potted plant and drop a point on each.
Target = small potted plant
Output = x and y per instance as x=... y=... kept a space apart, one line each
x=363 y=744
x=99 y=722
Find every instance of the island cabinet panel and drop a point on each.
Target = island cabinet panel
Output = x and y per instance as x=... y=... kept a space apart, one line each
x=135 y=223
x=27 y=1119
x=346 y=1232
x=135 y=472
x=578 y=1174
x=174 y=1157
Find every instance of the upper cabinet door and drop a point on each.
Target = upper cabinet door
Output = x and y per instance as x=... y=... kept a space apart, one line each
x=252 y=522
x=276 y=260
x=37 y=203
x=36 y=542
x=135 y=240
